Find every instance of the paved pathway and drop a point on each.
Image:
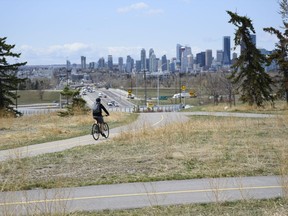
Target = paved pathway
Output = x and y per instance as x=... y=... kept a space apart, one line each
x=137 y=195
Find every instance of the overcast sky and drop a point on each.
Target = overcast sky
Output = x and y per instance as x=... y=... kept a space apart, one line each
x=53 y=31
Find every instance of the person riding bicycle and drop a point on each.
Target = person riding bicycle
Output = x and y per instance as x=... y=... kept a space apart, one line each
x=97 y=114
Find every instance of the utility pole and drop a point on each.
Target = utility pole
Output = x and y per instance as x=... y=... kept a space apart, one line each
x=145 y=88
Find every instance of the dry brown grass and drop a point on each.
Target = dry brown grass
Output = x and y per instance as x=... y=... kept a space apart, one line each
x=280 y=106
x=17 y=132
x=203 y=147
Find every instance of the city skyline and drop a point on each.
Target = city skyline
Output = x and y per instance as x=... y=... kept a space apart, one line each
x=51 y=32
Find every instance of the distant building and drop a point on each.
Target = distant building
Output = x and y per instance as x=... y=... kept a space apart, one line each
x=138 y=66
x=219 y=56
x=208 y=58
x=92 y=65
x=110 y=62
x=164 y=63
x=143 y=60
x=226 y=51
x=120 y=64
x=200 y=59
x=186 y=51
x=129 y=64
x=68 y=65
x=83 y=62
x=178 y=53
x=152 y=62
x=101 y=63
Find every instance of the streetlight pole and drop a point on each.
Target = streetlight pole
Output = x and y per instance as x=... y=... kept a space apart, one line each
x=158 y=82
x=158 y=95
x=145 y=88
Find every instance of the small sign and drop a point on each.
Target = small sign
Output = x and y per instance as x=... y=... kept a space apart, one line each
x=183 y=88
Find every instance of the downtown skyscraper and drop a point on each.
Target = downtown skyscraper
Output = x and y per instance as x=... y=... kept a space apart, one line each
x=226 y=51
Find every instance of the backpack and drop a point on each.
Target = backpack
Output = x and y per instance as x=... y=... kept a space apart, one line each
x=96 y=109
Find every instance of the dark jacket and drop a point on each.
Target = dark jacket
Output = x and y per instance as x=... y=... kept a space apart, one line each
x=101 y=108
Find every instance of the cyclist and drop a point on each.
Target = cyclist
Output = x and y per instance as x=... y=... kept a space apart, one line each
x=97 y=114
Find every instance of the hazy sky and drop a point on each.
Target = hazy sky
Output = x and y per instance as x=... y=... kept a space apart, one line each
x=53 y=31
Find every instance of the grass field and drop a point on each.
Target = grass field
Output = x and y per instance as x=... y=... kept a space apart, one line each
x=28 y=130
x=206 y=146
x=33 y=96
x=276 y=207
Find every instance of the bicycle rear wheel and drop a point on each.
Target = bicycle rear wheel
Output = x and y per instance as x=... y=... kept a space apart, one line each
x=106 y=129
x=95 y=131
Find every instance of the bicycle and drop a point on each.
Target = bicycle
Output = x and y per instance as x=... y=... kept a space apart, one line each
x=96 y=130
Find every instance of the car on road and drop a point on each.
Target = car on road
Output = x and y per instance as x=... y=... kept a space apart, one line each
x=113 y=103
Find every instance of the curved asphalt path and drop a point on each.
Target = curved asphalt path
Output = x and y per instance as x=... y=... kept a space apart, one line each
x=134 y=195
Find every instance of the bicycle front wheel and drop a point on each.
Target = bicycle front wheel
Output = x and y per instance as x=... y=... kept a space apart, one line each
x=95 y=131
x=106 y=129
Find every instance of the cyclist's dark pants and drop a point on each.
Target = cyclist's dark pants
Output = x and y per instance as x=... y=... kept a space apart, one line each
x=99 y=119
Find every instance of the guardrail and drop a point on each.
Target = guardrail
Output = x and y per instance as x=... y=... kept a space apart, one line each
x=37 y=111
x=135 y=109
x=138 y=109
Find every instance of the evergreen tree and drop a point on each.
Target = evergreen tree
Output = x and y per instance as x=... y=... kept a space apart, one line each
x=8 y=78
x=248 y=72
x=78 y=103
x=280 y=54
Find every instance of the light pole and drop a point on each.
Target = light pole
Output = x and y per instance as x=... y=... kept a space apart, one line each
x=145 y=88
x=158 y=95
x=158 y=84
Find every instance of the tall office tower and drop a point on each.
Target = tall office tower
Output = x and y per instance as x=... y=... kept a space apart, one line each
x=101 y=63
x=151 y=51
x=219 y=56
x=92 y=65
x=152 y=62
x=110 y=62
x=173 y=65
x=190 y=62
x=226 y=51
x=186 y=51
x=164 y=62
x=183 y=63
x=208 y=58
x=68 y=65
x=143 y=60
x=138 y=66
x=129 y=64
x=83 y=62
x=120 y=64
x=178 y=53
x=200 y=59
